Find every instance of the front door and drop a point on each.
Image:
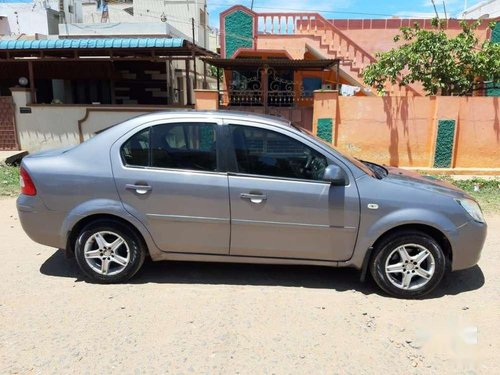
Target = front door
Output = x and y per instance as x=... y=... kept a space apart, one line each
x=168 y=177
x=280 y=207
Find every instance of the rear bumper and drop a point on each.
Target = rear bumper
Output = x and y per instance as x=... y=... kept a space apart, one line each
x=467 y=244
x=39 y=223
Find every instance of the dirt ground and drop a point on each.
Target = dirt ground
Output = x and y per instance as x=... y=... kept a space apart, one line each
x=237 y=319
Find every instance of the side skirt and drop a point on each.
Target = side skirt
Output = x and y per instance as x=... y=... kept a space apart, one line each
x=241 y=259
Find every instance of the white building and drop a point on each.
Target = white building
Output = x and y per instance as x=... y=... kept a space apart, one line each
x=143 y=18
x=77 y=19
x=97 y=18
x=484 y=9
x=31 y=17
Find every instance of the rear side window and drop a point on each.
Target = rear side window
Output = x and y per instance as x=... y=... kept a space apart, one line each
x=135 y=152
x=189 y=146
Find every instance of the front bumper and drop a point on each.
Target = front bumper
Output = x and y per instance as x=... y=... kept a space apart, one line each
x=467 y=244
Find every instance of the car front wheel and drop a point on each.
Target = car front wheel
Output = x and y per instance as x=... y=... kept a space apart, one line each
x=109 y=252
x=408 y=264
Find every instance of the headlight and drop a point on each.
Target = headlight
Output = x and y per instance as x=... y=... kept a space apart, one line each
x=472 y=209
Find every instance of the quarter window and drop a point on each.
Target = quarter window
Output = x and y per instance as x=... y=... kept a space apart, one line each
x=135 y=152
x=268 y=153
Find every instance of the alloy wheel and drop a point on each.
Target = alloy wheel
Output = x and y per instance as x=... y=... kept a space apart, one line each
x=410 y=266
x=107 y=253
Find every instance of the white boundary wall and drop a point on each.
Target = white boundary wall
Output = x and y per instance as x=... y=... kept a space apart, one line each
x=52 y=126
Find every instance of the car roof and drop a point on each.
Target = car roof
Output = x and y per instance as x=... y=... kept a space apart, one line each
x=106 y=138
x=224 y=114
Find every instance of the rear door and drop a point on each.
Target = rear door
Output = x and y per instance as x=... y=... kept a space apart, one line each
x=280 y=207
x=169 y=176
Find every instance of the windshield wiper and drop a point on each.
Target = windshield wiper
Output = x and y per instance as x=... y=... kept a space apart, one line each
x=379 y=171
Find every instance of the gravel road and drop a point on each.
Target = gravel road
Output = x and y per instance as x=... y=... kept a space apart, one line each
x=237 y=319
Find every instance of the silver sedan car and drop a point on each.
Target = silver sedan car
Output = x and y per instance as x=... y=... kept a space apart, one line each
x=235 y=187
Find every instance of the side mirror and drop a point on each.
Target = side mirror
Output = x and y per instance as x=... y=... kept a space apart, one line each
x=335 y=175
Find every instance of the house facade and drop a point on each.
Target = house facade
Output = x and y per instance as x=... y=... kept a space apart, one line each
x=483 y=9
x=309 y=36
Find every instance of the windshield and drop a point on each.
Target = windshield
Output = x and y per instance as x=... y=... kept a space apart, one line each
x=353 y=160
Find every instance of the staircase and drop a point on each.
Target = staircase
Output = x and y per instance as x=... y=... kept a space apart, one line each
x=330 y=41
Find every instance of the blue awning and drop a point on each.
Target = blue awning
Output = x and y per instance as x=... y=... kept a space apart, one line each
x=88 y=44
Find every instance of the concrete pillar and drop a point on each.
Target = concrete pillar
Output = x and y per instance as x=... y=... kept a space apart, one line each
x=21 y=97
x=189 y=100
x=207 y=100
x=325 y=114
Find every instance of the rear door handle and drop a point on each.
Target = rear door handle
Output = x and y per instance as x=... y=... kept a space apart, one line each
x=254 y=198
x=139 y=189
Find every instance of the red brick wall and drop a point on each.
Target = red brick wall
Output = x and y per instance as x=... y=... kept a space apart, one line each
x=7 y=124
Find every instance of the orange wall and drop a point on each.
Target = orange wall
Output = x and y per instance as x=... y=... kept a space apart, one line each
x=294 y=45
x=390 y=130
x=478 y=138
x=401 y=131
x=374 y=41
x=373 y=38
x=206 y=100
x=378 y=35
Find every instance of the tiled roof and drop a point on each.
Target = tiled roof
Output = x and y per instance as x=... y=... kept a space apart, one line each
x=98 y=43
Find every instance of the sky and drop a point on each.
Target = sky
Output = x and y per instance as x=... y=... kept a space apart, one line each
x=346 y=8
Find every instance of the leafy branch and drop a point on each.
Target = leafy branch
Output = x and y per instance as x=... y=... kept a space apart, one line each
x=444 y=65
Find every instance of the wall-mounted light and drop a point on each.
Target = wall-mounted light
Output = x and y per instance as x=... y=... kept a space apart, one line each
x=23 y=81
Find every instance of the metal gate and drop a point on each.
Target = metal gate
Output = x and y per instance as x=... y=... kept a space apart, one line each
x=8 y=134
x=300 y=116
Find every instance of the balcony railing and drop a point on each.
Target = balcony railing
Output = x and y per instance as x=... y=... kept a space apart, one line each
x=288 y=23
x=264 y=98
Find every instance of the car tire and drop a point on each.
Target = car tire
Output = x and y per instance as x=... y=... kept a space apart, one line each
x=108 y=252
x=408 y=264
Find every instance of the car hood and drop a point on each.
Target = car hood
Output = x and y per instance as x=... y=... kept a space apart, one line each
x=414 y=180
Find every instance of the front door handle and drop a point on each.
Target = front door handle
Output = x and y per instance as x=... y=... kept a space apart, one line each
x=139 y=189
x=254 y=198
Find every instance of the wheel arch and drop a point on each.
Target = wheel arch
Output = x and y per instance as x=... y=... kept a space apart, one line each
x=79 y=225
x=431 y=231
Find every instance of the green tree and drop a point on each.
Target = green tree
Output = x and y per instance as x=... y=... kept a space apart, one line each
x=444 y=65
x=213 y=72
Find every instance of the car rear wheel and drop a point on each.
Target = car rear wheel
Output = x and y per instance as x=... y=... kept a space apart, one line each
x=109 y=252
x=408 y=264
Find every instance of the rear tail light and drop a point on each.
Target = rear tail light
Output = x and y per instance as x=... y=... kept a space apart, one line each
x=27 y=185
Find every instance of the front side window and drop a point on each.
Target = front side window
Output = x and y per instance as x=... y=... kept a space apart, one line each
x=184 y=146
x=268 y=153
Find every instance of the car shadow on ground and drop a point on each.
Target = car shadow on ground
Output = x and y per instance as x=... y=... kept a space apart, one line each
x=339 y=279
